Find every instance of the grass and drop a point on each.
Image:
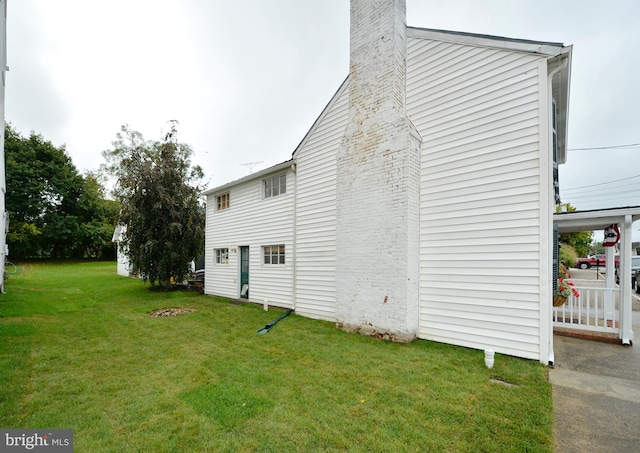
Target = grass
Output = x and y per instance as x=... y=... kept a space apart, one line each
x=79 y=351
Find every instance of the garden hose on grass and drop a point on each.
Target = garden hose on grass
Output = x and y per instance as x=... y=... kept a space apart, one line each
x=269 y=326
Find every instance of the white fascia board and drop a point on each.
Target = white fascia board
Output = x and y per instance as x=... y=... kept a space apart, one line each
x=499 y=42
x=569 y=222
x=323 y=114
x=257 y=175
x=561 y=86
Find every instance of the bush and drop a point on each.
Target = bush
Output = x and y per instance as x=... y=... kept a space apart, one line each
x=568 y=255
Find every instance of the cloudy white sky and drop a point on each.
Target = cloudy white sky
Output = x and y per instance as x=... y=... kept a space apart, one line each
x=246 y=79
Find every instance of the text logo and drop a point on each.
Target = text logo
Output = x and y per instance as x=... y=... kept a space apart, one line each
x=36 y=440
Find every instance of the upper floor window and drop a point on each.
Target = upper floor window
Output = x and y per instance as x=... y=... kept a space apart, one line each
x=222 y=201
x=275 y=186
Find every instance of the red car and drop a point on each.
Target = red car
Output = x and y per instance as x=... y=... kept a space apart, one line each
x=595 y=260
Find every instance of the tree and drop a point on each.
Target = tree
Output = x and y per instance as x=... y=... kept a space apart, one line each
x=161 y=208
x=47 y=202
x=580 y=241
x=100 y=215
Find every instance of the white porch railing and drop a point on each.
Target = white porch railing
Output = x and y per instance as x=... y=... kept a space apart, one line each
x=596 y=310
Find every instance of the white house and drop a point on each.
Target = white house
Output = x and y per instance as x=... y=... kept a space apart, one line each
x=419 y=204
x=4 y=221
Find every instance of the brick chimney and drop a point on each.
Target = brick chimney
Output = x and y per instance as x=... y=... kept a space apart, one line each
x=378 y=177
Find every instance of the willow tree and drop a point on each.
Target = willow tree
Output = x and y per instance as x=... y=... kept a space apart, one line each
x=162 y=212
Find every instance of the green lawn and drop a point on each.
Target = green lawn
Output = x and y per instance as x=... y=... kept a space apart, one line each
x=79 y=351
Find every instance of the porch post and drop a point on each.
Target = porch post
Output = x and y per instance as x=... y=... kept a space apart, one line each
x=609 y=299
x=626 y=326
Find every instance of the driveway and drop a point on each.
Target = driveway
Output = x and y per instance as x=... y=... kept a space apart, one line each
x=596 y=392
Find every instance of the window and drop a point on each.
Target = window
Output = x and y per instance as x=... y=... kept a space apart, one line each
x=275 y=186
x=273 y=254
x=554 y=149
x=222 y=256
x=222 y=201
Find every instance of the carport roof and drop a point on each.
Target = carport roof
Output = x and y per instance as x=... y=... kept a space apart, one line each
x=597 y=219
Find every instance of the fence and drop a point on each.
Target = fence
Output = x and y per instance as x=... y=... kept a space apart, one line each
x=597 y=309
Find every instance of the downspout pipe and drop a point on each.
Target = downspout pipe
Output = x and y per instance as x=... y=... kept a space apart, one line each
x=563 y=64
x=295 y=230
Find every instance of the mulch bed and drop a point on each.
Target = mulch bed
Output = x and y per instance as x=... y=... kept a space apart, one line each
x=171 y=312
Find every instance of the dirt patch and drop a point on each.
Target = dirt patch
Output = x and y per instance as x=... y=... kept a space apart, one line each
x=171 y=312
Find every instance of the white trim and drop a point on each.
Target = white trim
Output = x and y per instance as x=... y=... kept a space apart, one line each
x=626 y=317
x=598 y=219
x=259 y=174
x=546 y=221
x=498 y=42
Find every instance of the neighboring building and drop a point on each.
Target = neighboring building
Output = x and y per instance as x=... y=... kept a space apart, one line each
x=4 y=221
x=124 y=266
x=419 y=204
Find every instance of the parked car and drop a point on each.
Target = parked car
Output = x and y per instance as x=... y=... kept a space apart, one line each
x=635 y=266
x=595 y=260
x=636 y=280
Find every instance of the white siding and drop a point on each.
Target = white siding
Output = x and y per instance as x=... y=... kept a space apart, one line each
x=254 y=221
x=316 y=212
x=478 y=112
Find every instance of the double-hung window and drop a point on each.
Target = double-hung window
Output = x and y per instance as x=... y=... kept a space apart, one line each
x=275 y=186
x=273 y=254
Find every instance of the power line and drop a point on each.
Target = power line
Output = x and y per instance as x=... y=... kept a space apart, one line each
x=632 y=145
x=602 y=183
x=600 y=190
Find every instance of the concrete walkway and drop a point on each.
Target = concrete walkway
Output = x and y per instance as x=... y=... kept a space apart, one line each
x=596 y=394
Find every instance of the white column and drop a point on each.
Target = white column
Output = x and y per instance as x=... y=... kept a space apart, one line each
x=609 y=296
x=626 y=321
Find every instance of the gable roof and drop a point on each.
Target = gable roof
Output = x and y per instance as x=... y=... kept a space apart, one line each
x=256 y=175
x=559 y=60
x=560 y=56
x=499 y=42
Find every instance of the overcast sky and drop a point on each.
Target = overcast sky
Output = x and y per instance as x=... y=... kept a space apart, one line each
x=246 y=79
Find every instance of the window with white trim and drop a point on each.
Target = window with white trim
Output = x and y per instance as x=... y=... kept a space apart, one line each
x=273 y=254
x=275 y=186
x=222 y=202
x=222 y=256
x=554 y=150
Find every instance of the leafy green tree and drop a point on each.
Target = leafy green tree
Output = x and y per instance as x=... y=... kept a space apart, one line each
x=48 y=202
x=161 y=207
x=580 y=241
x=100 y=215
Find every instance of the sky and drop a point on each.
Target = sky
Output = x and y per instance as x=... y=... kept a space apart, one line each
x=246 y=79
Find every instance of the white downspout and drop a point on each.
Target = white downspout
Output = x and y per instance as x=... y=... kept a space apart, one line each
x=547 y=311
x=295 y=231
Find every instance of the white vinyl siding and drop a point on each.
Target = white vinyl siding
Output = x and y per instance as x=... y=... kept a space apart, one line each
x=253 y=221
x=478 y=112
x=316 y=212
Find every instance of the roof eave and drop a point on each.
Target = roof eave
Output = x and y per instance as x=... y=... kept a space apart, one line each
x=278 y=167
x=561 y=85
x=596 y=219
x=500 y=42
